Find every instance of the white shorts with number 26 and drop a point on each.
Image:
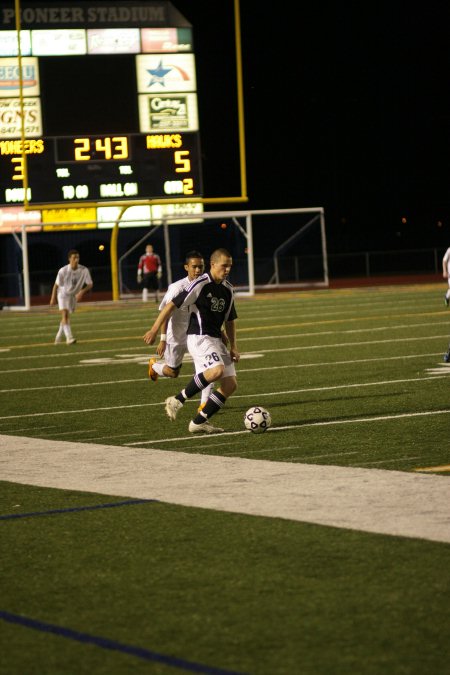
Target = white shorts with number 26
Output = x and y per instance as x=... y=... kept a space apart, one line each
x=208 y=352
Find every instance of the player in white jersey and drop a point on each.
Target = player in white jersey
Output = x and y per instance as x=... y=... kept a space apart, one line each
x=446 y=274
x=72 y=282
x=173 y=338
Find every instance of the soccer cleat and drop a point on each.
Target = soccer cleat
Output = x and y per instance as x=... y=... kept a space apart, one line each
x=205 y=428
x=446 y=301
x=172 y=407
x=153 y=375
x=201 y=406
x=447 y=356
x=58 y=339
x=71 y=341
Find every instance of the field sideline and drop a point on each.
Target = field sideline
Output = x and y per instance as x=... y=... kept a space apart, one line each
x=319 y=547
x=391 y=503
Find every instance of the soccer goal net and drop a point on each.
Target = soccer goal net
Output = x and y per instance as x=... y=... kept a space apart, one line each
x=271 y=249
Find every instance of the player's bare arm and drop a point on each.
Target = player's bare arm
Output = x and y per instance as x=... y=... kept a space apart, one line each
x=161 y=348
x=163 y=316
x=224 y=337
x=53 y=296
x=445 y=261
x=230 y=329
x=83 y=291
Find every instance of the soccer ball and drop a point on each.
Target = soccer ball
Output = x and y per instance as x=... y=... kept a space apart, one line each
x=257 y=419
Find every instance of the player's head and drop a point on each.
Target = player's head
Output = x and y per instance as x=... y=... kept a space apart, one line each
x=194 y=265
x=149 y=248
x=73 y=257
x=221 y=262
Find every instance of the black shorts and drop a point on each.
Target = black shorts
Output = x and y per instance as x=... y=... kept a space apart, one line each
x=150 y=281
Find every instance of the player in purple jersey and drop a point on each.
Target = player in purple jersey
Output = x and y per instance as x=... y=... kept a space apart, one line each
x=173 y=338
x=211 y=302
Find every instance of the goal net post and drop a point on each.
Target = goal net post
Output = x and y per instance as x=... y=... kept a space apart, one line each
x=271 y=249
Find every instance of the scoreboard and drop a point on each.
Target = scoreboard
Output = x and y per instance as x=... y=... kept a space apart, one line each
x=103 y=108
x=102 y=167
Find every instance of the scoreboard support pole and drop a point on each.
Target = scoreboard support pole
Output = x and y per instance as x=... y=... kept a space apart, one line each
x=113 y=256
x=23 y=245
x=114 y=266
x=26 y=268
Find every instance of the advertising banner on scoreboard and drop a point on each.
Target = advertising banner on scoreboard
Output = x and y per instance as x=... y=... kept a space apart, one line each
x=69 y=219
x=11 y=117
x=166 y=40
x=134 y=216
x=160 y=211
x=58 y=42
x=165 y=72
x=9 y=44
x=12 y=218
x=113 y=41
x=166 y=112
x=10 y=77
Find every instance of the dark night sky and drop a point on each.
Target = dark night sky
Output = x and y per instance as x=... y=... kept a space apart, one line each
x=347 y=106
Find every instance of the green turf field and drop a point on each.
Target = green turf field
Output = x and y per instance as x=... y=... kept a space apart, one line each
x=352 y=378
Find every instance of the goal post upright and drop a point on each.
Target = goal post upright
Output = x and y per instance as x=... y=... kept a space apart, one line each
x=324 y=248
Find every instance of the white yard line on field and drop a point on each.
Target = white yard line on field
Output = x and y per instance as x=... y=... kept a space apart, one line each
x=287 y=336
x=121 y=360
x=252 y=329
x=250 y=395
x=434 y=371
x=302 y=425
x=370 y=500
x=83 y=323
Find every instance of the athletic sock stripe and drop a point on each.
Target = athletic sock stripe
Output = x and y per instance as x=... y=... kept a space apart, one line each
x=200 y=381
x=218 y=401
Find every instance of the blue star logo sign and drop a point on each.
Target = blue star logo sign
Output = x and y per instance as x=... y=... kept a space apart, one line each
x=158 y=74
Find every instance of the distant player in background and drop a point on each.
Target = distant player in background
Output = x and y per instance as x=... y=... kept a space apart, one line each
x=72 y=282
x=149 y=273
x=446 y=275
x=173 y=338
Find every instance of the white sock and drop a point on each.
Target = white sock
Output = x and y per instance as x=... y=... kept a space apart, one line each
x=145 y=294
x=67 y=331
x=60 y=332
x=206 y=392
x=158 y=368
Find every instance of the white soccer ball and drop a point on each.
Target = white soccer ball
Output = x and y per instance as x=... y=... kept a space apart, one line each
x=257 y=419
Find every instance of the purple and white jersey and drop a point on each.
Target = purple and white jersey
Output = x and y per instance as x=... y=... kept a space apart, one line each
x=210 y=305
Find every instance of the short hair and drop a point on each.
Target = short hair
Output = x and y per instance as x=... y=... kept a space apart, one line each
x=193 y=254
x=72 y=252
x=218 y=253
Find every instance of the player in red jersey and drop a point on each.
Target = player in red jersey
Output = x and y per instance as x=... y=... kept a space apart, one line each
x=149 y=273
